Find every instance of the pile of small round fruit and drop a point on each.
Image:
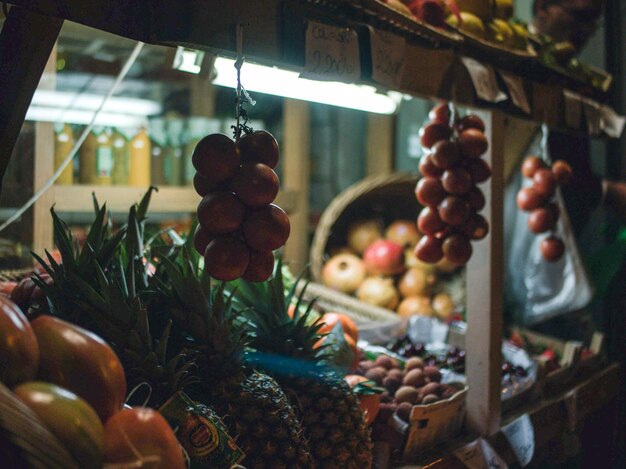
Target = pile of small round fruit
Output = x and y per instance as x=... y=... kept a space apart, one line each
x=239 y=226
x=414 y=384
x=451 y=170
x=538 y=200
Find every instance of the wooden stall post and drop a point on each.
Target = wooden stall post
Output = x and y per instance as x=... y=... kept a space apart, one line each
x=26 y=40
x=379 y=144
x=295 y=155
x=485 y=282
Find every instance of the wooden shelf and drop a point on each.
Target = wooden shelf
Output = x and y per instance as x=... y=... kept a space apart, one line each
x=77 y=198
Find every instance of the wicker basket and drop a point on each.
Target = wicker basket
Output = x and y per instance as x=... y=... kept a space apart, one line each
x=386 y=198
x=34 y=445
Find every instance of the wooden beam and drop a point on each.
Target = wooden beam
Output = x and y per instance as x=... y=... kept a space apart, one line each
x=295 y=177
x=485 y=273
x=379 y=144
x=26 y=41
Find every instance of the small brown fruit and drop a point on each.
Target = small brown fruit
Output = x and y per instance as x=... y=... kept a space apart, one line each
x=404 y=411
x=414 y=378
x=430 y=399
x=432 y=373
x=407 y=394
x=414 y=362
x=391 y=384
x=376 y=374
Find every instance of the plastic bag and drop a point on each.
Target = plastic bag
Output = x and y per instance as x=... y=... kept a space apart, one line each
x=537 y=290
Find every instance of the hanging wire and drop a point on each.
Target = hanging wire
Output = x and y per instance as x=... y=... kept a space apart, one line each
x=127 y=66
x=243 y=97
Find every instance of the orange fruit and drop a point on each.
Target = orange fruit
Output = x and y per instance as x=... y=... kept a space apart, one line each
x=368 y=403
x=348 y=325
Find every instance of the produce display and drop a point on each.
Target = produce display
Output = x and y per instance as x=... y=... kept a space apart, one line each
x=538 y=200
x=451 y=170
x=239 y=226
x=378 y=266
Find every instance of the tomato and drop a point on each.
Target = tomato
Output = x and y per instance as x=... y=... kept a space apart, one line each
x=368 y=403
x=348 y=325
x=6 y=288
x=68 y=417
x=26 y=291
x=81 y=362
x=19 y=351
x=141 y=437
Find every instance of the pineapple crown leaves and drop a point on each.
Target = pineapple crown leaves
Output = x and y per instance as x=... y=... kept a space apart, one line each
x=367 y=388
x=204 y=312
x=266 y=305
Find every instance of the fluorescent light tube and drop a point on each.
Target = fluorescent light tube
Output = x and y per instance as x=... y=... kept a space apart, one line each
x=90 y=102
x=83 y=117
x=274 y=81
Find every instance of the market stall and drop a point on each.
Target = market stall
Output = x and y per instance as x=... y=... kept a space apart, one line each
x=469 y=395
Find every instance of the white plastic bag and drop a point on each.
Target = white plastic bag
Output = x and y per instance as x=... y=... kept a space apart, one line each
x=537 y=290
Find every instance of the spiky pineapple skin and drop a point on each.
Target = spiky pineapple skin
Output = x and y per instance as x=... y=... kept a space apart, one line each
x=255 y=409
x=333 y=423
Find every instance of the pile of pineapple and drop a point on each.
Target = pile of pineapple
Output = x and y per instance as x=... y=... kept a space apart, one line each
x=236 y=348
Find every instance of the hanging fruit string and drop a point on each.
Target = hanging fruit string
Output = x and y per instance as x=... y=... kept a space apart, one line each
x=243 y=97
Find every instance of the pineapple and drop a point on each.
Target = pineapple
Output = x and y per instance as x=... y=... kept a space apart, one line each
x=252 y=405
x=107 y=292
x=329 y=411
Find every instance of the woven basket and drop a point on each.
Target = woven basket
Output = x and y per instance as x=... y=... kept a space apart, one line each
x=31 y=440
x=386 y=198
x=14 y=275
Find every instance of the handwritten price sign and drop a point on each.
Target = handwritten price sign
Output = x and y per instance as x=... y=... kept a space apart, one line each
x=332 y=54
x=516 y=90
x=521 y=437
x=387 y=58
x=484 y=80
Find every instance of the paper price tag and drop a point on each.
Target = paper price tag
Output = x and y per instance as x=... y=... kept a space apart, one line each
x=480 y=455
x=515 y=86
x=484 y=80
x=387 y=57
x=612 y=123
x=332 y=54
x=521 y=436
x=573 y=109
x=592 y=114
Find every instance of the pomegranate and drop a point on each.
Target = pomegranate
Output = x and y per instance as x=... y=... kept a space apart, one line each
x=216 y=158
x=378 y=291
x=362 y=233
x=260 y=267
x=403 y=232
x=267 y=228
x=429 y=250
x=413 y=305
x=384 y=257
x=413 y=282
x=344 y=273
x=226 y=258
x=220 y=213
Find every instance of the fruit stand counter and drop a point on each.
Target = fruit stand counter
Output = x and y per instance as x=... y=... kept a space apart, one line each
x=277 y=33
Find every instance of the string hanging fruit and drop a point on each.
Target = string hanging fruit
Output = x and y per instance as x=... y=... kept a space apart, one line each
x=538 y=200
x=451 y=170
x=239 y=226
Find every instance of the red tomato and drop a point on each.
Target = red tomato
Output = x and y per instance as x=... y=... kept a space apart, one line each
x=19 y=351
x=141 y=437
x=81 y=362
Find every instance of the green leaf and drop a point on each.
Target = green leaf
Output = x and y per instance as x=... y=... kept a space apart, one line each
x=142 y=208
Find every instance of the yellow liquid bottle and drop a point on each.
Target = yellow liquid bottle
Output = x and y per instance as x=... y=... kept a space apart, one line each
x=139 y=174
x=87 y=159
x=119 y=174
x=104 y=159
x=63 y=144
x=157 y=151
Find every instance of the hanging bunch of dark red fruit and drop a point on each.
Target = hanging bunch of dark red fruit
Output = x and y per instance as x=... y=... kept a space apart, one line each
x=448 y=190
x=538 y=199
x=239 y=226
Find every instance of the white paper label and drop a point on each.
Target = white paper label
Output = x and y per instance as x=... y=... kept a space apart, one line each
x=484 y=80
x=332 y=53
x=480 y=455
x=612 y=123
x=387 y=57
x=515 y=86
x=592 y=114
x=521 y=436
x=573 y=109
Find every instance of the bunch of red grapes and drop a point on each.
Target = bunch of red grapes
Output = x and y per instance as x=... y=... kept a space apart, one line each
x=451 y=170
x=239 y=226
x=538 y=200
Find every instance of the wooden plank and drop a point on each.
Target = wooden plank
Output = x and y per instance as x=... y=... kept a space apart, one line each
x=485 y=273
x=26 y=41
x=380 y=133
x=77 y=198
x=295 y=155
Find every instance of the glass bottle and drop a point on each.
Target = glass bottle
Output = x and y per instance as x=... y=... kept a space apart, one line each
x=139 y=175
x=119 y=144
x=63 y=144
x=87 y=159
x=157 y=149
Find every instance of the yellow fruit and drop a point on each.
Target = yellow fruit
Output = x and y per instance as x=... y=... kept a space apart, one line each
x=443 y=306
x=481 y=8
x=415 y=305
x=399 y=7
x=504 y=9
x=471 y=24
x=500 y=32
x=520 y=36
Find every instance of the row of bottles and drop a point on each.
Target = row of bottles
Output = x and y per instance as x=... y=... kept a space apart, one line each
x=159 y=154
